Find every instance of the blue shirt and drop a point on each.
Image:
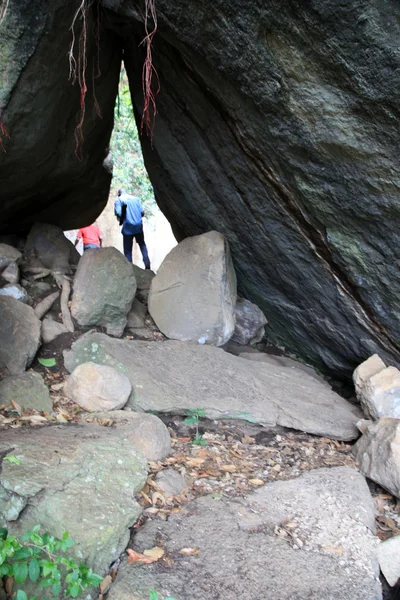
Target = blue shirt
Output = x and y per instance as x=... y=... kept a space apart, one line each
x=134 y=212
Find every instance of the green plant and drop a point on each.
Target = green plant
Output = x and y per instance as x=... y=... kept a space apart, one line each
x=39 y=557
x=153 y=595
x=12 y=459
x=194 y=417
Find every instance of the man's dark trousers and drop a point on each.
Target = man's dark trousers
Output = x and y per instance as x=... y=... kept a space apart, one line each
x=128 y=244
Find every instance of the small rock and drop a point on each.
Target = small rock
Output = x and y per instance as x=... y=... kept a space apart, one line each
x=378 y=453
x=143 y=278
x=19 y=336
x=137 y=315
x=373 y=365
x=170 y=482
x=11 y=273
x=249 y=323
x=146 y=431
x=380 y=395
x=52 y=329
x=389 y=559
x=97 y=387
x=28 y=390
x=4 y=262
x=10 y=252
x=16 y=291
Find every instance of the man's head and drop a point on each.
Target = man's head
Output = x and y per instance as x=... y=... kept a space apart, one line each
x=120 y=192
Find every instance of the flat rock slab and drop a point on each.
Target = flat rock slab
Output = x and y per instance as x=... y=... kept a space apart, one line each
x=75 y=478
x=244 y=554
x=173 y=377
x=28 y=390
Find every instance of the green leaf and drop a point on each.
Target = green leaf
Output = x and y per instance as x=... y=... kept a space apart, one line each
x=47 y=362
x=20 y=571
x=95 y=580
x=74 y=589
x=34 y=570
x=153 y=595
x=199 y=442
x=190 y=420
x=12 y=459
x=3 y=533
x=21 y=595
x=56 y=589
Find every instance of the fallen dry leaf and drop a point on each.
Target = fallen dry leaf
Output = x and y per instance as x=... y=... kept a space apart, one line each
x=155 y=552
x=189 y=551
x=57 y=386
x=9 y=585
x=157 y=496
x=333 y=549
x=136 y=557
x=228 y=468
x=256 y=481
x=105 y=584
x=16 y=407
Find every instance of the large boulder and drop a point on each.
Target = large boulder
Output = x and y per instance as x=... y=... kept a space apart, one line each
x=47 y=246
x=19 y=336
x=378 y=453
x=308 y=538
x=27 y=390
x=193 y=296
x=104 y=288
x=97 y=387
x=75 y=478
x=175 y=377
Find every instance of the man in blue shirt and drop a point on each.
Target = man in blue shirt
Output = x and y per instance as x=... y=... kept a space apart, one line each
x=130 y=212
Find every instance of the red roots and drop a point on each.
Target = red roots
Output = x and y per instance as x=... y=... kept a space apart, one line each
x=149 y=96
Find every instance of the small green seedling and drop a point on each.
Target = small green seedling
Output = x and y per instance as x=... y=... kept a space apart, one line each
x=153 y=595
x=12 y=459
x=195 y=414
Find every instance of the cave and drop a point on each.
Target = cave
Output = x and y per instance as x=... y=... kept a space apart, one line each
x=276 y=124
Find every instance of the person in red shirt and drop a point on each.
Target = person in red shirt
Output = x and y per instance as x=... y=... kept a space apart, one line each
x=91 y=237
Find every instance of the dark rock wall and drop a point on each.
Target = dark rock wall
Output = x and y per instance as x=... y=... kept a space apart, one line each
x=278 y=125
x=41 y=178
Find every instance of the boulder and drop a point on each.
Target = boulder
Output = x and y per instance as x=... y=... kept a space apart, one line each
x=97 y=387
x=11 y=273
x=4 y=262
x=373 y=365
x=146 y=431
x=52 y=329
x=143 y=278
x=389 y=559
x=47 y=246
x=380 y=394
x=137 y=315
x=11 y=253
x=193 y=296
x=170 y=482
x=28 y=390
x=173 y=377
x=378 y=453
x=16 y=291
x=307 y=538
x=19 y=336
x=104 y=288
x=249 y=323
x=75 y=478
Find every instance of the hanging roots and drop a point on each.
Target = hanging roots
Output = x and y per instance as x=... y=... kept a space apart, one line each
x=149 y=96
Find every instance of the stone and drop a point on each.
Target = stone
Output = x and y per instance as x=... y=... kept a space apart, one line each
x=28 y=390
x=174 y=377
x=249 y=323
x=378 y=454
x=146 y=431
x=19 y=336
x=97 y=387
x=11 y=253
x=47 y=246
x=380 y=395
x=329 y=551
x=51 y=329
x=104 y=288
x=16 y=291
x=193 y=296
x=11 y=273
x=170 y=482
x=4 y=262
x=137 y=315
x=373 y=365
x=90 y=495
x=389 y=559
x=143 y=278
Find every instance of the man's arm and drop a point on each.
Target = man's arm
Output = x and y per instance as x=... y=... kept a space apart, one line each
x=78 y=237
x=117 y=207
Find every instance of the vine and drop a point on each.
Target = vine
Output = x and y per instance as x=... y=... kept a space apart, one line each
x=149 y=96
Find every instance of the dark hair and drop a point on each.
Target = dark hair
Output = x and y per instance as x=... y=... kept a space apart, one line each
x=120 y=192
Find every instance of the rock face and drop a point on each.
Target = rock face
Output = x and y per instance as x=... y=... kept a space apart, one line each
x=259 y=135
x=249 y=323
x=104 y=288
x=97 y=387
x=378 y=452
x=28 y=390
x=193 y=296
x=173 y=377
x=147 y=432
x=335 y=561
x=19 y=336
x=91 y=496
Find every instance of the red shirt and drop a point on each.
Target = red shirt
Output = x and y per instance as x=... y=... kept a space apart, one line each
x=90 y=235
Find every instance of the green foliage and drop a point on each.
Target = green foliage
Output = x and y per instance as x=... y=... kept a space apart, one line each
x=129 y=171
x=195 y=414
x=12 y=459
x=47 y=362
x=154 y=596
x=40 y=557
